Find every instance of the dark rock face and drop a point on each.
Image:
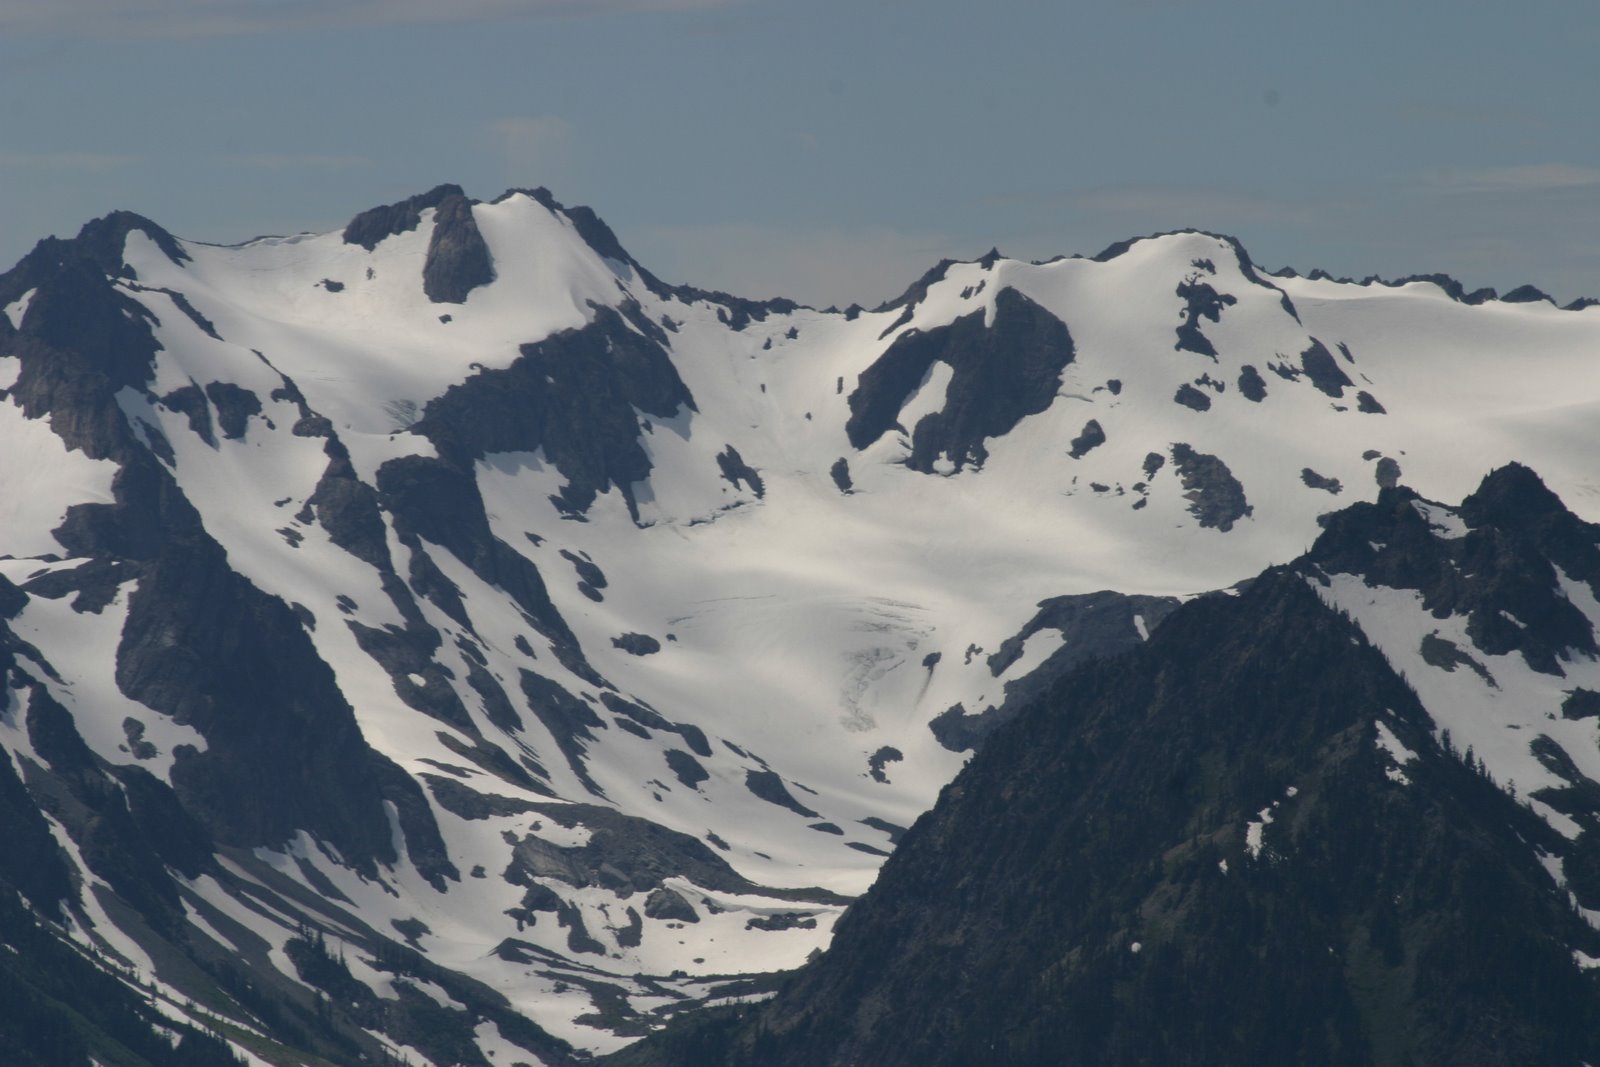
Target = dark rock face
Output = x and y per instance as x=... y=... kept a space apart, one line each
x=458 y=258
x=374 y=224
x=436 y=500
x=1581 y=703
x=840 y=473
x=1446 y=655
x=1091 y=438
x=1000 y=375
x=1368 y=404
x=1526 y=294
x=1201 y=301
x=1190 y=397
x=348 y=509
x=1313 y=480
x=1251 y=385
x=736 y=312
x=737 y=472
x=1386 y=473
x=686 y=768
x=96 y=583
x=284 y=753
x=574 y=396
x=406 y=655
x=1518 y=532
x=667 y=903
x=1324 y=371
x=102 y=241
x=468 y=803
x=82 y=315
x=1215 y=496
x=587 y=570
x=769 y=787
x=784 y=920
x=881 y=759
x=1454 y=289
x=569 y=720
x=917 y=291
x=235 y=406
x=637 y=644
x=1092 y=626
x=957 y=730
x=81 y=342
x=1065 y=902
x=190 y=402
x=650 y=719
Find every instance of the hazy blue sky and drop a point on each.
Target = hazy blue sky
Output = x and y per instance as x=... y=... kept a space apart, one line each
x=833 y=150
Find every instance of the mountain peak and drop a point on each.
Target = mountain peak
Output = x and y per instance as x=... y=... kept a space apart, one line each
x=1512 y=496
x=103 y=240
x=370 y=227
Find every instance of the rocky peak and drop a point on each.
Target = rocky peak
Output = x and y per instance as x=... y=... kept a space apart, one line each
x=1498 y=566
x=371 y=226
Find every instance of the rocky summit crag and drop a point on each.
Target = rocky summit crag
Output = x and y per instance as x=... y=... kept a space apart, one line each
x=443 y=640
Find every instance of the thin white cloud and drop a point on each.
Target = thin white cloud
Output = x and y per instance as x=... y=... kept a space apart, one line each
x=1536 y=177
x=1433 y=112
x=294 y=161
x=530 y=133
x=1161 y=207
x=94 y=162
x=214 y=18
x=535 y=148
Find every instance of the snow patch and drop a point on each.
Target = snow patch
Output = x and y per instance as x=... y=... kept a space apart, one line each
x=1396 y=751
x=1391 y=744
x=929 y=396
x=1253 y=832
x=1040 y=646
x=19 y=307
x=39 y=480
x=1442 y=520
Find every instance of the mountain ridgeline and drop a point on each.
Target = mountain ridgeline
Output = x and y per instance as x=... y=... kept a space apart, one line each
x=441 y=641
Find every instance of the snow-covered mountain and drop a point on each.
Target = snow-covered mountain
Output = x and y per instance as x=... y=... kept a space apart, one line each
x=442 y=624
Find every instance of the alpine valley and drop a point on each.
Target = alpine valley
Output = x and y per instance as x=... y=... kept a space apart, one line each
x=444 y=642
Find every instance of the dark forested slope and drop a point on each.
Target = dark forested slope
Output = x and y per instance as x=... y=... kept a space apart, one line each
x=1089 y=890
